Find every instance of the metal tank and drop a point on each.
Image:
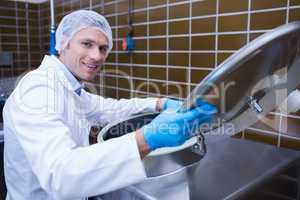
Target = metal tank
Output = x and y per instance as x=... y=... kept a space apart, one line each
x=251 y=83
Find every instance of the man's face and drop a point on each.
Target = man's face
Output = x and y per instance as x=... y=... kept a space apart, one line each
x=85 y=53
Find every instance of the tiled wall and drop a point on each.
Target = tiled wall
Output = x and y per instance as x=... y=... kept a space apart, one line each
x=177 y=43
x=20 y=34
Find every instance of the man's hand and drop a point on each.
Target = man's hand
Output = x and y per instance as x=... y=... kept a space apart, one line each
x=171 y=128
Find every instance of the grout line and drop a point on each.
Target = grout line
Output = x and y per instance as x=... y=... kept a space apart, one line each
x=17 y=33
x=249 y=21
x=263 y=131
x=193 y=17
x=167 y=47
x=137 y=91
x=279 y=132
x=286 y=115
x=287 y=11
x=280 y=116
x=147 y=79
x=190 y=49
x=117 y=36
x=205 y=34
x=274 y=133
x=175 y=51
x=18 y=9
x=40 y=33
x=148 y=43
x=216 y=31
x=202 y=16
x=28 y=37
x=157 y=66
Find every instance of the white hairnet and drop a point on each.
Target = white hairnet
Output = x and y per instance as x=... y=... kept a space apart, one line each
x=75 y=21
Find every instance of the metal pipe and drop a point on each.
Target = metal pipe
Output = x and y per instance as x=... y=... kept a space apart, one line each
x=52 y=29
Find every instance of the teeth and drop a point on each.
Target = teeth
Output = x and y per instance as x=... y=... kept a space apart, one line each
x=91 y=66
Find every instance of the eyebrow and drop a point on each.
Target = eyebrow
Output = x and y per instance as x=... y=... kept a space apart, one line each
x=92 y=41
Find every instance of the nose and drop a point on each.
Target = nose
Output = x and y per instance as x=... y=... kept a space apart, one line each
x=96 y=55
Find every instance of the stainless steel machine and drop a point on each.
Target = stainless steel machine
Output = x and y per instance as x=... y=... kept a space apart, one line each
x=247 y=86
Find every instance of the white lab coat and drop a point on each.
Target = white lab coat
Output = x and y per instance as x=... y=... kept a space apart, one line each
x=46 y=127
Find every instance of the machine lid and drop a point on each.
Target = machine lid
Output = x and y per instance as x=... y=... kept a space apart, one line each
x=245 y=87
x=252 y=82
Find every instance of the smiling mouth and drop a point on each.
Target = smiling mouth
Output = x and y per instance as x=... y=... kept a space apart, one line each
x=91 y=66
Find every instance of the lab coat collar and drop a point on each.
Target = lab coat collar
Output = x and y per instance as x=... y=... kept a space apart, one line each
x=56 y=63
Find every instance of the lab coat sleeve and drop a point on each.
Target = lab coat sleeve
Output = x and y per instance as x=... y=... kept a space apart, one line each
x=65 y=170
x=105 y=110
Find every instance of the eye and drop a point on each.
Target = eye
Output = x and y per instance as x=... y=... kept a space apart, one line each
x=103 y=49
x=87 y=44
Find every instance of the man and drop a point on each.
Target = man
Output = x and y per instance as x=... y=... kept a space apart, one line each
x=48 y=116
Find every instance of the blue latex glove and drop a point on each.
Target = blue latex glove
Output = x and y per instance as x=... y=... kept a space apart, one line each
x=171 y=128
x=172 y=104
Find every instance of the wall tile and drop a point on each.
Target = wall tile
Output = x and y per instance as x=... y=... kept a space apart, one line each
x=139 y=58
x=294 y=2
x=139 y=4
x=157 y=73
x=232 y=42
x=122 y=19
x=294 y=15
x=179 y=59
x=177 y=75
x=157 y=44
x=111 y=20
x=204 y=8
x=181 y=27
x=222 y=57
x=269 y=122
x=140 y=44
x=203 y=43
x=75 y=5
x=203 y=60
x=157 y=29
x=292 y=143
x=157 y=59
x=179 y=43
x=123 y=83
x=204 y=25
x=233 y=23
x=198 y=75
x=266 y=4
x=177 y=90
x=140 y=30
x=158 y=88
x=157 y=2
x=139 y=17
x=7 y=4
x=261 y=137
x=140 y=85
x=123 y=57
x=179 y=11
x=122 y=6
x=109 y=9
x=267 y=20
x=123 y=94
x=139 y=72
x=226 y=6
x=157 y=14
x=290 y=126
